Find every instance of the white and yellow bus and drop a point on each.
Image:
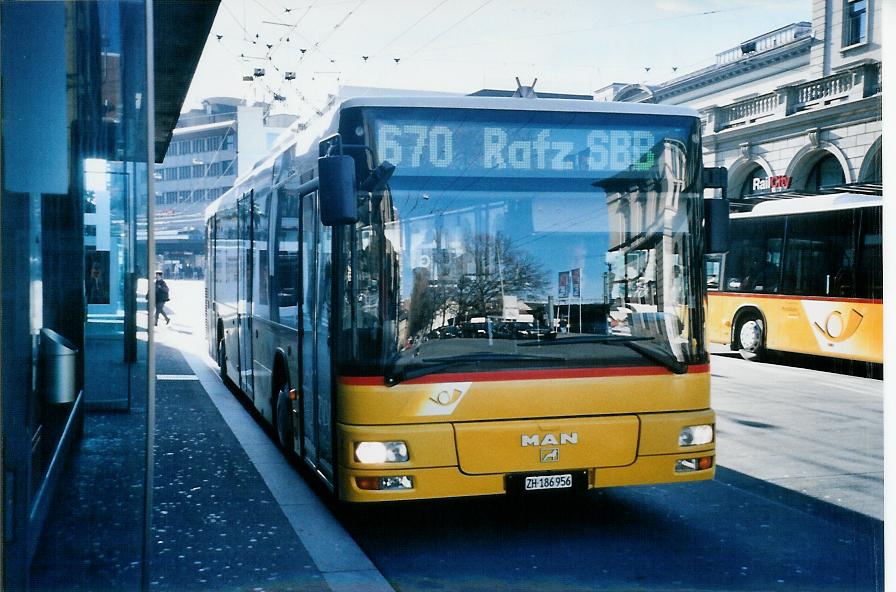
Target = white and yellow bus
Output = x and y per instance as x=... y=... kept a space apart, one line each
x=803 y=275
x=386 y=289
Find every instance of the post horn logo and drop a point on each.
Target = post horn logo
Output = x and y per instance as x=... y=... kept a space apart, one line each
x=447 y=397
x=839 y=327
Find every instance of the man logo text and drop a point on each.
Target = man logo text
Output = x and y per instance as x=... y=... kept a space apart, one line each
x=550 y=439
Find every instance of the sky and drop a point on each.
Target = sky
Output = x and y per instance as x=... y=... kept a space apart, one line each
x=570 y=46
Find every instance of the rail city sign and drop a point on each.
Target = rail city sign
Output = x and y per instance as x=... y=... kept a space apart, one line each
x=773 y=184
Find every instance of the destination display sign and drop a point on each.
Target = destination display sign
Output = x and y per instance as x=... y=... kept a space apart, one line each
x=514 y=149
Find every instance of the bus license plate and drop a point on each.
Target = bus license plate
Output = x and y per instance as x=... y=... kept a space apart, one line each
x=539 y=482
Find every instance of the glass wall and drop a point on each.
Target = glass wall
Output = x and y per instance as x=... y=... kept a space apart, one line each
x=74 y=358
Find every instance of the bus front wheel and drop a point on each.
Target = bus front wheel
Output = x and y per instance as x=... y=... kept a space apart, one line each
x=284 y=418
x=222 y=360
x=751 y=339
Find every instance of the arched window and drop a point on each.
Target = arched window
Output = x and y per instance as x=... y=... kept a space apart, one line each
x=747 y=187
x=873 y=171
x=827 y=172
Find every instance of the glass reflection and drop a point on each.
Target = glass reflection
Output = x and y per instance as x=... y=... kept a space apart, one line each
x=487 y=272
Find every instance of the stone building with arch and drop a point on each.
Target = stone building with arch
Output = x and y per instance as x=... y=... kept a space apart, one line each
x=795 y=110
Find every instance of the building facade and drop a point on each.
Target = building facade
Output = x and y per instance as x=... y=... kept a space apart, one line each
x=89 y=96
x=797 y=109
x=210 y=147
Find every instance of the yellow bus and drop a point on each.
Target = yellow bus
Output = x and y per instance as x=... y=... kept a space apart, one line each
x=803 y=275
x=451 y=296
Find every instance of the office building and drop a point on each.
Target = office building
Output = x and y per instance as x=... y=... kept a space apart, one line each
x=210 y=147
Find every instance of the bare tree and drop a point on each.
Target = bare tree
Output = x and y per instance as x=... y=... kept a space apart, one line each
x=498 y=269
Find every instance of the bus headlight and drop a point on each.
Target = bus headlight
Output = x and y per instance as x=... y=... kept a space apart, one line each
x=695 y=435
x=374 y=453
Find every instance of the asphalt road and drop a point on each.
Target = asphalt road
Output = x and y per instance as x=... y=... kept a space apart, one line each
x=728 y=534
x=815 y=432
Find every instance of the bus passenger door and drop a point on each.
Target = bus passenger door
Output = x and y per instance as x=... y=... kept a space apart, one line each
x=322 y=364
x=307 y=332
x=317 y=425
x=244 y=283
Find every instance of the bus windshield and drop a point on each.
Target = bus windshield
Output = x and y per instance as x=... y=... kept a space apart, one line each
x=525 y=240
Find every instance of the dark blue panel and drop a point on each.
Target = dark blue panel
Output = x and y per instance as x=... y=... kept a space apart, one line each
x=35 y=125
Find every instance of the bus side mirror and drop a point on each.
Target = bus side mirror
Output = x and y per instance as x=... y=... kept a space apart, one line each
x=716 y=223
x=338 y=201
x=716 y=218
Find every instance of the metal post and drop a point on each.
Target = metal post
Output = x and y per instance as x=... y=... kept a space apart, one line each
x=151 y=256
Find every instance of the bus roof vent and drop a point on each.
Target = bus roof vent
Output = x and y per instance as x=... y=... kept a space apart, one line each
x=525 y=92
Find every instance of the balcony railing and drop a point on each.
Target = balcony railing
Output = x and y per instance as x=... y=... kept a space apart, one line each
x=850 y=85
x=747 y=111
x=770 y=40
x=825 y=91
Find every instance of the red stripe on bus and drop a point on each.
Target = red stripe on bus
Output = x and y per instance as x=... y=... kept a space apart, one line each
x=524 y=375
x=792 y=297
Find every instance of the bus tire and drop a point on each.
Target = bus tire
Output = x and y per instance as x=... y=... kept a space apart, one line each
x=751 y=338
x=222 y=360
x=283 y=418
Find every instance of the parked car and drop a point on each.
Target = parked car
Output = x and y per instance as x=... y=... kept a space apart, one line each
x=446 y=332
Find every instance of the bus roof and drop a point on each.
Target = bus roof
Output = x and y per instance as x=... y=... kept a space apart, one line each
x=516 y=104
x=813 y=203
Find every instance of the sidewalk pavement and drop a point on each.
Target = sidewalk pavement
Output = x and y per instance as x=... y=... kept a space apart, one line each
x=229 y=512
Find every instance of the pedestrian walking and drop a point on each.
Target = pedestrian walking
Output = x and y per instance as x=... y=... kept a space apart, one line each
x=161 y=297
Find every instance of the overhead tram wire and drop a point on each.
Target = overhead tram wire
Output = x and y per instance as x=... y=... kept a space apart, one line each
x=583 y=30
x=340 y=23
x=316 y=47
x=236 y=19
x=265 y=8
x=242 y=58
x=414 y=24
x=294 y=27
x=248 y=37
x=313 y=46
x=283 y=8
x=474 y=11
x=377 y=54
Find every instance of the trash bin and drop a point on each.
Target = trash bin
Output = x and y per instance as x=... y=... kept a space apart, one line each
x=57 y=361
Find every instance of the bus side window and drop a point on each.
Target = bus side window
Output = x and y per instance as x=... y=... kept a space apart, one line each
x=818 y=247
x=284 y=307
x=753 y=262
x=869 y=269
x=843 y=283
x=713 y=271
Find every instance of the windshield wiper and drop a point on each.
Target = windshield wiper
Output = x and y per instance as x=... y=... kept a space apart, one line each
x=423 y=366
x=665 y=359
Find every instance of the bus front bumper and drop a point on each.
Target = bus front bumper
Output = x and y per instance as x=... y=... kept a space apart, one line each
x=446 y=482
x=455 y=460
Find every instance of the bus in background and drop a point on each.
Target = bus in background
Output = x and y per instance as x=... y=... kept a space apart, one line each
x=803 y=275
x=384 y=287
